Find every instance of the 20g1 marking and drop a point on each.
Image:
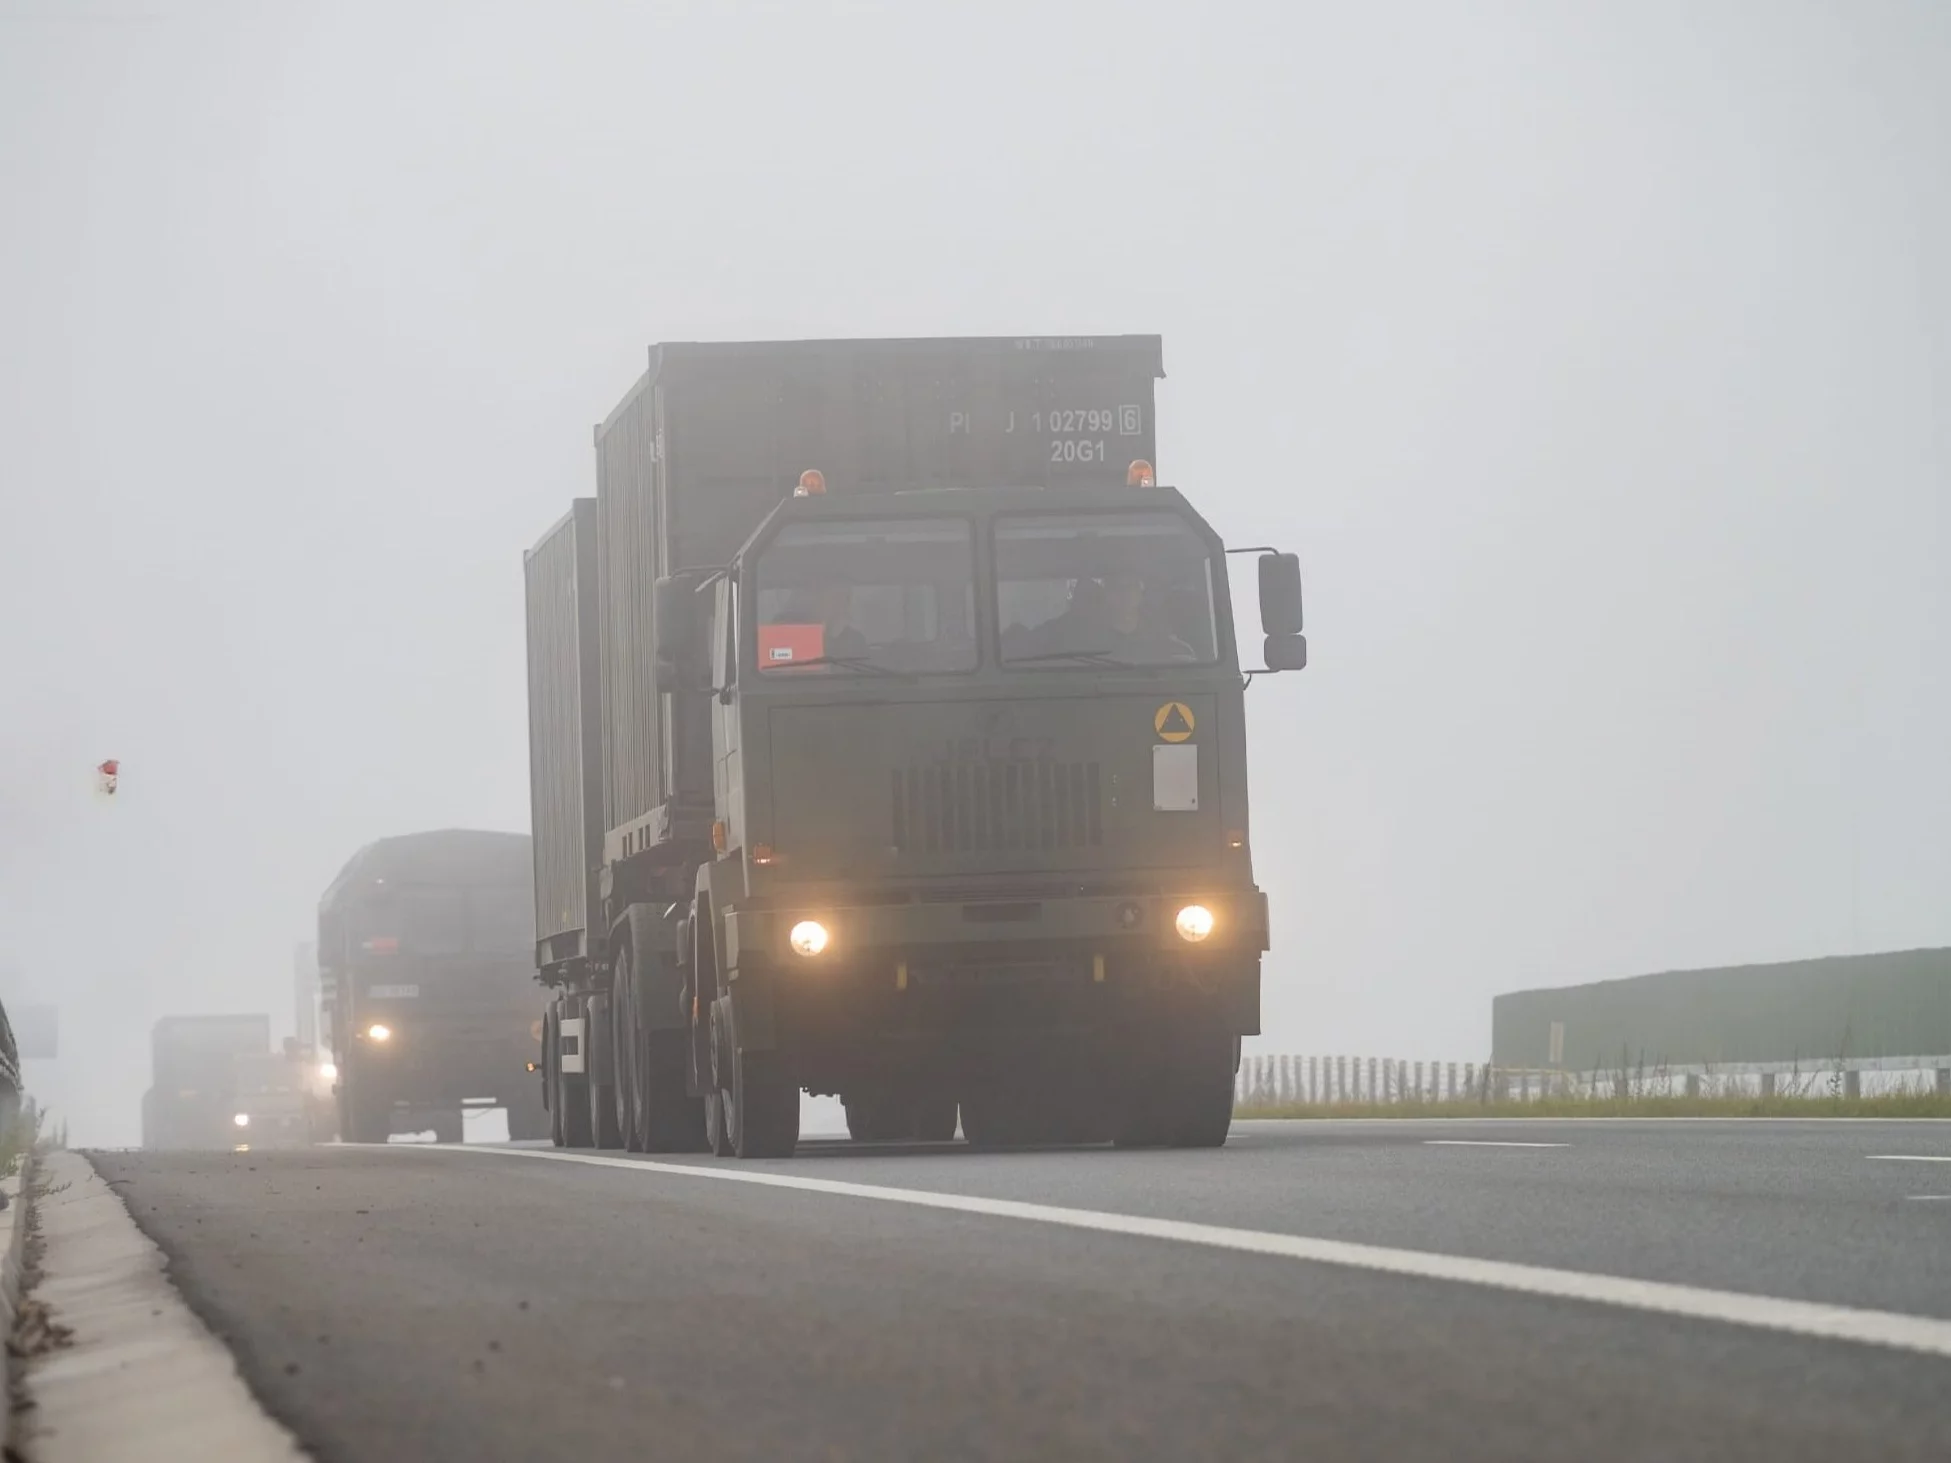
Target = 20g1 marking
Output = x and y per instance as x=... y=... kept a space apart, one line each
x=1071 y=449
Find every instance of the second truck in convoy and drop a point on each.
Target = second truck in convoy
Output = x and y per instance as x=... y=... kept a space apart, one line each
x=426 y=991
x=887 y=740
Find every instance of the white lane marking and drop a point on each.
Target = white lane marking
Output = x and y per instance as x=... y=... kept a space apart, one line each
x=1583 y=1122
x=1928 y=1198
x=1908 y=1157
x=1486 y=1143
x=1767 y=1313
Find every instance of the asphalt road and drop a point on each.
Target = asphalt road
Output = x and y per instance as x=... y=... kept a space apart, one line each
x=436 y=1305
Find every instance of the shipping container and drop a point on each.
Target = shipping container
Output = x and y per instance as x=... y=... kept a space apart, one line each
x=714 y=435
x=564 y=734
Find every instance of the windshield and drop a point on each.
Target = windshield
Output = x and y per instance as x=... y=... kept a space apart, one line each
x=893 y=596
x=1136 y=588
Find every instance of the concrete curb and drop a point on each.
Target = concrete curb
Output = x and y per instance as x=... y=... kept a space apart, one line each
x=144 y=1380
x=13 y=1245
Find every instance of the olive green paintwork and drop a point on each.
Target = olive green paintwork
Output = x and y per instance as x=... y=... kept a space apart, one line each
x=1006 y=807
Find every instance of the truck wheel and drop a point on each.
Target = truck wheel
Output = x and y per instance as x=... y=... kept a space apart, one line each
x=934 y=1119
x=1202 y=1091
x=761 y=1108
x=365 y=1117
x=993 y=1117
x=718 y=1137
x=568 y=1094
x=602 y=1116
x=673 y=1120
x=449 y=1127
x=626 y=1048
x=875 y=1117
x=1182 y=1096
x=764 y=1109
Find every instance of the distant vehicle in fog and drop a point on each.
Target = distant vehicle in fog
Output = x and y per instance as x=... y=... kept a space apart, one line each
x=427 y=985
x=195 y=1064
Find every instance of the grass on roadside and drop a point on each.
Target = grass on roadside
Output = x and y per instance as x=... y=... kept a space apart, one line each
x=17 y=1138
x=1886 y=1105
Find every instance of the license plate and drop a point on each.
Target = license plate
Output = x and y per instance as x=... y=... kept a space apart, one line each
x=394 y=992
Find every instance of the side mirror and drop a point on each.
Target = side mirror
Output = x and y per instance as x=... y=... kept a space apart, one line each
x=674 y=634
x=1285 y=653
x=1280 y=594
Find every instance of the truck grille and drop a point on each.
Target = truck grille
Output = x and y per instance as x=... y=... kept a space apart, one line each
x=997 y=806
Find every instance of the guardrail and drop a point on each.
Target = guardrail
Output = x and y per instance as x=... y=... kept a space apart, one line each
x=1330 y=1081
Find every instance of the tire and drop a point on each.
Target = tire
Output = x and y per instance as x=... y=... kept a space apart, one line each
x=551 y=1082
x=569 y=1094
x=1181 y=1095
x=718 y=1137
x=602 y=1116
x=626 y=1053
x=761 y=1105
x=993 y=1117
x=875 y=1117
x=934 y=1119
x=365 y=1116
x=1202 y=1091
x=674 y=1120
x=450 y=1127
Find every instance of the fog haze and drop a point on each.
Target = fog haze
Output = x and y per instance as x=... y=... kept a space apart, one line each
x=1595 y=358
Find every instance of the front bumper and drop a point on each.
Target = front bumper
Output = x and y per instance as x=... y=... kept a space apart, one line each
x=1124 y=926
x=432 y=1058
x=941 y=970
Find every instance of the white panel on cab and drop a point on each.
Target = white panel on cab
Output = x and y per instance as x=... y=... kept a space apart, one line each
x=1175 y=777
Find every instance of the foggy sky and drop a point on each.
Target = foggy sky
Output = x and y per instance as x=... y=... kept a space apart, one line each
x=1595 y=358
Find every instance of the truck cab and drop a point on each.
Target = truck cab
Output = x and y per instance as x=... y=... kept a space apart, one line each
x=980 y=819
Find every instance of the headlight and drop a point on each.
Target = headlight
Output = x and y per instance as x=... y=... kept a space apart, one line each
x=379 y=1031
x=243 y=1120
x=1194 y=923
x=808 y=937
x=328 y=1071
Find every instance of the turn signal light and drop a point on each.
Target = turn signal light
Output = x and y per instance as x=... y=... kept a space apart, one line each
x=1140 y=475
x=812 y=484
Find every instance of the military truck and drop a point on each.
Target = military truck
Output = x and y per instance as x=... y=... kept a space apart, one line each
x=887 y=741
x=426 y=985
x=195 y=1064
x=278 y=1099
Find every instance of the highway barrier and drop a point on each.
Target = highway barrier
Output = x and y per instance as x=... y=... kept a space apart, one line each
x=1345 y=1081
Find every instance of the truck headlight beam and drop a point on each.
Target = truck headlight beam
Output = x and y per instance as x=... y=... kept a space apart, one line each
x=380 y=1031
x=808 y=937
x=243 y=1120
x=1194 y=923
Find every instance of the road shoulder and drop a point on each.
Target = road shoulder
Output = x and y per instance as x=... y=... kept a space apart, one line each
x=144 y=1378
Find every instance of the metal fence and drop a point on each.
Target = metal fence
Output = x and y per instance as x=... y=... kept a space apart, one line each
x=1330 y=1081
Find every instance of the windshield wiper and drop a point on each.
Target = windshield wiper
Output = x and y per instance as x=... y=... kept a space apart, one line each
x=1089 y=657
x=846 y=663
